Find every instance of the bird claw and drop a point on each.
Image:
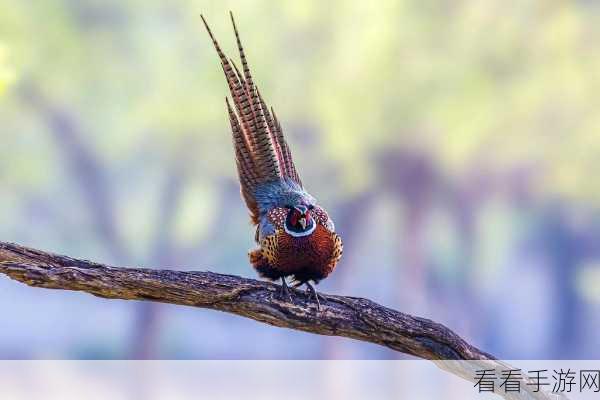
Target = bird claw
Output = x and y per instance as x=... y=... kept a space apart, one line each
x=284 y=293
x=313 y=293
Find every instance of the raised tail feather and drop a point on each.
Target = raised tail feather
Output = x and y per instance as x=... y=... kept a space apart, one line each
x=261 y=151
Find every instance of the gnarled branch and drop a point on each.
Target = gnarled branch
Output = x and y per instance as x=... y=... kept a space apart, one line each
x=350 y=317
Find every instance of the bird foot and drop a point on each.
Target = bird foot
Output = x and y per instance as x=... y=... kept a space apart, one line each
x=284 y=293
x=313 y=293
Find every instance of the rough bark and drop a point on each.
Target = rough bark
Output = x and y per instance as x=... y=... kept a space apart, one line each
x=350 y=317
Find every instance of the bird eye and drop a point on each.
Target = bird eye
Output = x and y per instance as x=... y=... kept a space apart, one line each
x=310 y=207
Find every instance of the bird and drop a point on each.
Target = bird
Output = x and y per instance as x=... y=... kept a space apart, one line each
x=295 y=236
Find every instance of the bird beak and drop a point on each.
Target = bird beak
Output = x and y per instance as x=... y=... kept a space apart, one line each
x=302 y=222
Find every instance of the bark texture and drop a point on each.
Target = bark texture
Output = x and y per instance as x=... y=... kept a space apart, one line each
x=350 y=317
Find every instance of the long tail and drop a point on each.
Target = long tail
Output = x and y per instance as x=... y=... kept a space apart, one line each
x=261 y=151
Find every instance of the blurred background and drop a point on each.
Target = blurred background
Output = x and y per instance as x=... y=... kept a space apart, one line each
x=455 y=144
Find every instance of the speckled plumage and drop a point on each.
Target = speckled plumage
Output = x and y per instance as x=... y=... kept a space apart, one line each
x=307 y=258
x=296 y=237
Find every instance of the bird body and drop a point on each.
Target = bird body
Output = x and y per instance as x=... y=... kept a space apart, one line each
x=310 y=257
x=295 y=236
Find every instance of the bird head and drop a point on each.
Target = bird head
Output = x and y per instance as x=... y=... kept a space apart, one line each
x=299 y=222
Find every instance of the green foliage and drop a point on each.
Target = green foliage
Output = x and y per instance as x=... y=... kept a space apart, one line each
x=7 y=73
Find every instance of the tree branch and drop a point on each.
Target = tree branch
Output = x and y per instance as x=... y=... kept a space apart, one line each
x=350 y=317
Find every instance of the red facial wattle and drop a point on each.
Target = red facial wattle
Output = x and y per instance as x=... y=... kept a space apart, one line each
x=294 y=218
x=300 y=219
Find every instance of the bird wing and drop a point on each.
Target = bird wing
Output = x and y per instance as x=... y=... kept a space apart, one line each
x=261 y=152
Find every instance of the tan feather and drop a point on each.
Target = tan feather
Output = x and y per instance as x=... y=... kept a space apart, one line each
x=240 y=99
x=276 y=142
x=285 y=149
x=264 y=152
x=261 y=152
x=242 y=152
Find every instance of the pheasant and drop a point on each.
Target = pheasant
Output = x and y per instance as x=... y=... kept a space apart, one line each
x=295 y=236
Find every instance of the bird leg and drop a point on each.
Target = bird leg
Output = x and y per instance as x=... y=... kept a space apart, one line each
x=310 y=288
x=285 y=291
